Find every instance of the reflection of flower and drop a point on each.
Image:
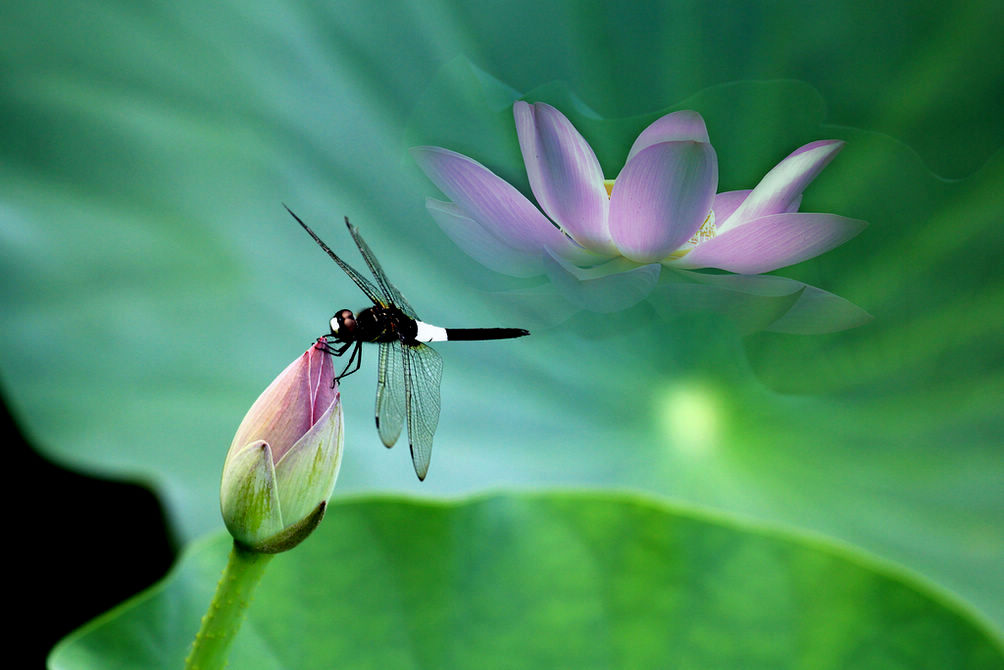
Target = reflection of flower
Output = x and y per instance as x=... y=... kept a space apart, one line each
x=661 y=210
x=284 y=459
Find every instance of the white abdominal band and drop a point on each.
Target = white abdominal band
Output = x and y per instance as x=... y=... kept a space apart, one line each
x=427 y=333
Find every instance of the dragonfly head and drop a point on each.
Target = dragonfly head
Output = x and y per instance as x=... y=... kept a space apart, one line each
x=343 y=325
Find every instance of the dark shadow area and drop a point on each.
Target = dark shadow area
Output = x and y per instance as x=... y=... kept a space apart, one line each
x=81 y=546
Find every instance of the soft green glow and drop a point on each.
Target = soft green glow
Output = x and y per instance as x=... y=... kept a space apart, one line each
x=691 y=418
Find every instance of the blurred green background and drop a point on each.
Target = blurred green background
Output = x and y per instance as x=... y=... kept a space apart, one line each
x=153 y=284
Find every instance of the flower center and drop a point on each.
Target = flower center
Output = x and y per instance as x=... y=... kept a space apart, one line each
x=707 y=231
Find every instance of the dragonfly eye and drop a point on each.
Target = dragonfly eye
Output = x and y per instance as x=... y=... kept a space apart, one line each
x=343 y=324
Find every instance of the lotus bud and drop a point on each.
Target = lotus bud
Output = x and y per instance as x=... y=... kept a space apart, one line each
x=283 y=462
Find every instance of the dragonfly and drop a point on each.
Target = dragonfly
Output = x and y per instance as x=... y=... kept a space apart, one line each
x=409 y=371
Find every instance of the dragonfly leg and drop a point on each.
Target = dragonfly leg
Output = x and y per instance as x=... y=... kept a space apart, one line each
x=356 y=357
x=328 y=349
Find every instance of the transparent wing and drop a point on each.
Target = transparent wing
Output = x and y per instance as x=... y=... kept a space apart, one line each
x=388 y=289
x=390 y=393
x=364 y=284
x=423 y=370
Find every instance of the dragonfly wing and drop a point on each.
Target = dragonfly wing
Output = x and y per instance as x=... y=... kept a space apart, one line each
x=386 y=287
x=371 y=291
x=390 y=393
x=423 y=370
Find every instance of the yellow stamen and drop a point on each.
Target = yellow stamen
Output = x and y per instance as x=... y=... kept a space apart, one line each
x=707 y=231
x=609 y=184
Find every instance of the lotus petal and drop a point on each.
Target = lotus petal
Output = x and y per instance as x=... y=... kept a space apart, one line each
x=489 y=199
x=661 y=198
x=564 y=174
x=771 y=242
x=481 y=244
x=783 y=185
x=675 y=127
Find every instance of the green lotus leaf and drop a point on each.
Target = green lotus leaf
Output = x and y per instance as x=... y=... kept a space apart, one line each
x=554 y=580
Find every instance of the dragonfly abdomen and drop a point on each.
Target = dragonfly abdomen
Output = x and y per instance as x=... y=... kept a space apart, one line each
x=484 y=333
x=426 y=332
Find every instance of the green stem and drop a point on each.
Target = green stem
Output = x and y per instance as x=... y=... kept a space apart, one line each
x=226 y=611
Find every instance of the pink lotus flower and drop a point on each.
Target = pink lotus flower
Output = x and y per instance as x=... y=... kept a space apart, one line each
x=661 y=210
x=284 y=460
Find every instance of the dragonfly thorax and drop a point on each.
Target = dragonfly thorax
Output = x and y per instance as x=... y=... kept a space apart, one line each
x=373 y=324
